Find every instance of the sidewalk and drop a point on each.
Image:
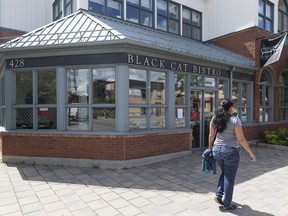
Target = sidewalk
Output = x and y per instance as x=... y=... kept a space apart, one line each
x=176 y=187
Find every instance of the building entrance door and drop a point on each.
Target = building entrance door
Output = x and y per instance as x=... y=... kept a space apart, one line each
x=202 y=109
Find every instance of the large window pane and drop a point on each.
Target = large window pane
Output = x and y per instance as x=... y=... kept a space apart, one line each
x=157 y=88
x=179 y=89
x=196 y=19
x=78 y=81
x=46 y=87
x=186 y=15
x=146 y=18
x=162 y=23
x=186 y=32
x=148 y=4
x=47 y=118
x=157 y=117
x=104 y=86
x=114 y=8
x=162 y=7
x=24 y=92
x=97 y=6
x=77 y=118
x=173 y=26
x=137 y=86
x=137 y=118
x=173 y=11
x=104 y=119
x=24 y=118
x=133 y=14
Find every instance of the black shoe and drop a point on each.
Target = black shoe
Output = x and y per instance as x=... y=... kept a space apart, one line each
x=219 y=201
x=231 y=207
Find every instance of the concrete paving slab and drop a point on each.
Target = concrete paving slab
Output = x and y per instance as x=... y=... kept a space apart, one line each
x=176 y=187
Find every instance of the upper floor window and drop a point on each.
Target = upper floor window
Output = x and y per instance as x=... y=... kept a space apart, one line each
x=191 y=22
x=265 y=15
x=168 y=16
x=111 y=8
x=282 y=16
x=167 y=13
x=283 y=97
x=69 y=7
x=57 y=9
x=61 y=8
x=140 y=11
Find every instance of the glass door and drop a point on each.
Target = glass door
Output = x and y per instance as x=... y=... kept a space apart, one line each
x=202 y=108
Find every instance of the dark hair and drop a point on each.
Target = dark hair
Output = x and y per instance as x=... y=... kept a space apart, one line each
x=221 y=116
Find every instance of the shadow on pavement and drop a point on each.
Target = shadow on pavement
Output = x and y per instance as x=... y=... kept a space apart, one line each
x=245 y=210
x=181 y=174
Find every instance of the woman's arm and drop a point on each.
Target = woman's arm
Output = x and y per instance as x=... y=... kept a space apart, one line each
x=242 y=141
x=211 y=135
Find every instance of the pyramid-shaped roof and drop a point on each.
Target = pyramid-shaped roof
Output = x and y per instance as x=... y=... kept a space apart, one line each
x=87 y=27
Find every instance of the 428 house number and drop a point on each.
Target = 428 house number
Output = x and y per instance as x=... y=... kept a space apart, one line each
x=17 y=63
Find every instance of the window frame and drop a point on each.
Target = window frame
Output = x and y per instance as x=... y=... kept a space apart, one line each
x=191 y=24
x=266 y=87
x=283 y=108
x=141 y=11
x=148 y=106
x=238 y=104
x=264 y=15
x=90 y=105
x=35 y=106
x=168 y=17
x=57 y=4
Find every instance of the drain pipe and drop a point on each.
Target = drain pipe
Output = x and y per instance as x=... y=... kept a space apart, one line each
x=231 y=81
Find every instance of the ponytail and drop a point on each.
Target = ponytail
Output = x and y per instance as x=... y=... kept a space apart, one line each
x=221 y=115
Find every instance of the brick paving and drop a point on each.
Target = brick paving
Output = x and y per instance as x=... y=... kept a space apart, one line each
x=175 y=187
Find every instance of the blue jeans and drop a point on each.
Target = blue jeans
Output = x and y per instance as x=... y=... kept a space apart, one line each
x=228 y=159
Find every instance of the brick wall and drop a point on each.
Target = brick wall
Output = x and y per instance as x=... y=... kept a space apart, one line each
x=256 y=131
x=8 y=34
x=94 y=147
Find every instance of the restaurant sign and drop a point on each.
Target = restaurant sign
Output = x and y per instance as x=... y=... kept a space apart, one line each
x=114 y=58
x=161 y=63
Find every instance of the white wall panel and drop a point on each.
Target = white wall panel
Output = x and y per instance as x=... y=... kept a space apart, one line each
x=226 y=16
x=25 y=15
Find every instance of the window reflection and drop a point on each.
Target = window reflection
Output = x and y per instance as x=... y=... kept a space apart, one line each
x=104 y=85
x=77 y=118
x=104 y=119
x=77 y=81
x=157 y=88
x=137 y=118
x=147 y=111
x=114 y=8
x=47 y=118
x=179 y=89
x=283 y=96
x=137 y=86
x=46 y=87
x=24 y=92
x=266 y=98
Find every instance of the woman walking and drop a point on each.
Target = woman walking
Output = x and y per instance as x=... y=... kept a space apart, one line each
x=228 y=130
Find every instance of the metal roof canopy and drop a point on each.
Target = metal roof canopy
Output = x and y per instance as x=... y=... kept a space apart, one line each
x=87 y=27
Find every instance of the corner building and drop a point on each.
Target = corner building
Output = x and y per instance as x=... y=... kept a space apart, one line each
x=100 y=87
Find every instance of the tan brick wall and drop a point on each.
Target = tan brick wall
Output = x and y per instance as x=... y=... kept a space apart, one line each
x=94 y=147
